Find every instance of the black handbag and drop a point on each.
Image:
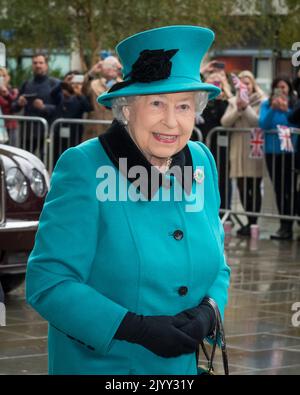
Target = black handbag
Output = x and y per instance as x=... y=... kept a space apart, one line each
x=216 y=338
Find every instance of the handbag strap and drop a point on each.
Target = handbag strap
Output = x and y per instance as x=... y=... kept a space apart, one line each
x=217 y=335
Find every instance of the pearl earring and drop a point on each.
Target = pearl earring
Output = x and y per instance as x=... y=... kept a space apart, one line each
x=126 y=122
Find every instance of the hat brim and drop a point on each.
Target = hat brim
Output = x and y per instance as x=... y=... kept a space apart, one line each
x=171 y=85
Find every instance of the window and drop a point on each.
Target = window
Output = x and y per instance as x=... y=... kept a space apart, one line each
x=264 y=74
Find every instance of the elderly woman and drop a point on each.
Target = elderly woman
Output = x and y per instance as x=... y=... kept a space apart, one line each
x=128 y=264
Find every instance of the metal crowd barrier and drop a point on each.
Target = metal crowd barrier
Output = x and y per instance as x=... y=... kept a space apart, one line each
x=197 y=134
x=219 y=142
x=34 y=135
x=65 y=133
x=30 y=134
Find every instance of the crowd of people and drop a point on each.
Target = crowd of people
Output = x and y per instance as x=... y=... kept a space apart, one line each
x=242 y=104
x=51 y=98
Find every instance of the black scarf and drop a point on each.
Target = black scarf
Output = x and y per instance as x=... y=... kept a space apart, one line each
x=117 y=143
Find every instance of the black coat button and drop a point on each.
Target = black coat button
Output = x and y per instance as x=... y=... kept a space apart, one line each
x=178 y=234
x=182 y=291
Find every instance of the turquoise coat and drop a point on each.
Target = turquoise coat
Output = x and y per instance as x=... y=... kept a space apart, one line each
x=95 y=260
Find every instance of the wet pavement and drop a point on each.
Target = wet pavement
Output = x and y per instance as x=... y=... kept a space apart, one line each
x=262 y=336
x=262 y=330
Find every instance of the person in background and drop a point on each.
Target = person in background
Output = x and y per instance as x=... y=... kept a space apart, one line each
x=7 y=96
x=3 y=131
x=276 y=111
x=102 y=76
x=68 y=98
x=242 y=112
x=296 y=84
x=35 y=99
x=294 y=118
x=35 y=94
x=70 y=103
x=214 y=66
x=211 y=116
x=215 y=109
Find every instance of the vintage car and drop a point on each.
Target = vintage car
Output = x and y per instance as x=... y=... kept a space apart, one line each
x=24 y=182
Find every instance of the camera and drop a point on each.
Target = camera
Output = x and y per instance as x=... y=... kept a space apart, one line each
x=77 y=79
x=219 y=65
x=277 y=92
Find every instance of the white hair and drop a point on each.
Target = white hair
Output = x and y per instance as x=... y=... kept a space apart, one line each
x=110 y=61
x=201 y=99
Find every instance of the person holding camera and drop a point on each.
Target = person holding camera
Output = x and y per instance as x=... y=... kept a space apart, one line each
x=68 y=98
x=70 y=103
x=294 y=118
x=242 y=112
x=35 y=99
x=212 y=115
x=273 y=112
x=102 y=76
x=35 y=94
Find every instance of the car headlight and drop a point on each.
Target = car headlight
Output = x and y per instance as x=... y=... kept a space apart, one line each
x=16 y=185
x=37 y=183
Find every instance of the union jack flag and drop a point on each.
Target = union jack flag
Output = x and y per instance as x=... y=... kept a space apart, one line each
x=241 y=88
x=256 y=144
x=285 y=135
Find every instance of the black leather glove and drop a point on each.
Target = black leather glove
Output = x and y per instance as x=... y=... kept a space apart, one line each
x=197 y=322
x=158 y=334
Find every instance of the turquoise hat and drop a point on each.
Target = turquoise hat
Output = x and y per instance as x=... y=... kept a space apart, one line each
x=162 y=60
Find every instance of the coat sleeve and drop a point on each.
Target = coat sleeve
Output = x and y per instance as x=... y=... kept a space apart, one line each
x=250 y=116
x=59 y=265
x=219 y=289
x=48 y=110
x=270 y=118
x=266 y=115
x=231 y=114
x=15 y=106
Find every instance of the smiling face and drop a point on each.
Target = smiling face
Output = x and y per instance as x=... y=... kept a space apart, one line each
x=161 y=125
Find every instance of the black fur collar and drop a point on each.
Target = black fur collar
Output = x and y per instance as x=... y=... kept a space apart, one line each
x=117 y=143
